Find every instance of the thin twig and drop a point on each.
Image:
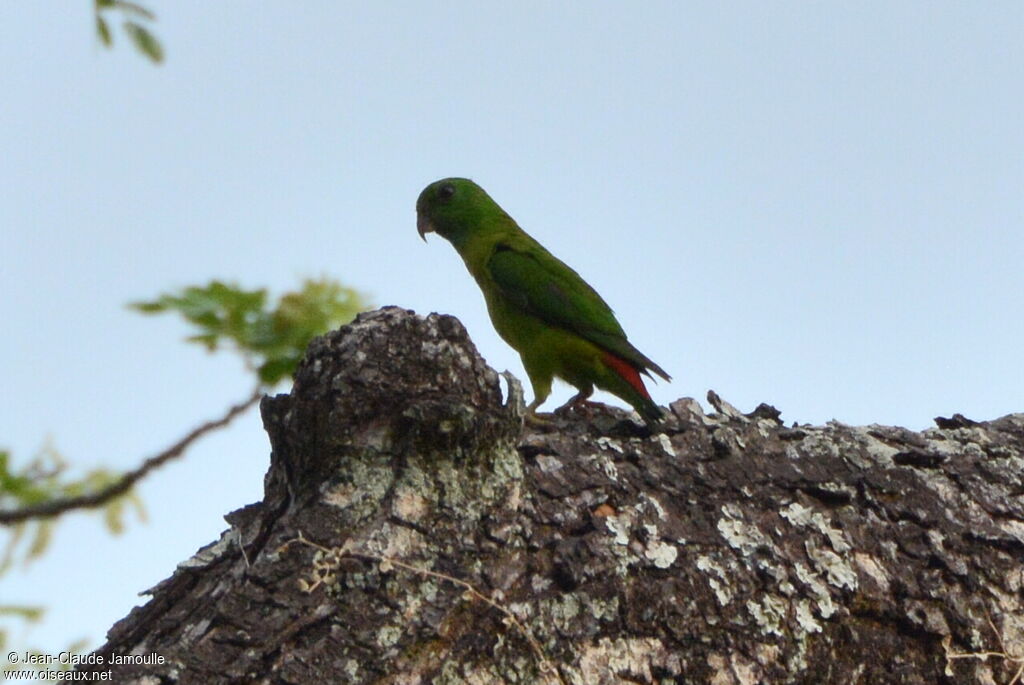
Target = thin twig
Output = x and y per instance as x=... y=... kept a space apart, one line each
x=1007 y=655
x=56 y=507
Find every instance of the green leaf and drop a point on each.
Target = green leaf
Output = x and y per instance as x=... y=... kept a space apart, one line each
x=132 y=8
x=133 y=499
x=207 y=340
x=104 y=31
x=40 y=541
x=149 y=307
x=44 y=479
x=113 y=516
x=145 y=41
x=272 y=341
x=275 y=370
x=17 y=532
x=32 y=614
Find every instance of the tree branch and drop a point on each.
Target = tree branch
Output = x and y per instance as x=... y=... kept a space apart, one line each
x=90 y=500
x=723 y=547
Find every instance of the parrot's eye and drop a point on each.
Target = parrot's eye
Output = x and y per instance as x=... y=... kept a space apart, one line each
x=446 y=191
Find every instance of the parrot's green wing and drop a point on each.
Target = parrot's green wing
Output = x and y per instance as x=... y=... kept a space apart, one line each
x=543 y=286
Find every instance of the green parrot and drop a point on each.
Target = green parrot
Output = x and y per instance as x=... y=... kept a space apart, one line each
x=559 y=325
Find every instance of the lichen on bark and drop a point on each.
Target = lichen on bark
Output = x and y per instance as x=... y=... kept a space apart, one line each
x=446 y=543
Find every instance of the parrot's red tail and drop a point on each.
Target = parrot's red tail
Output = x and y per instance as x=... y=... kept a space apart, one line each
x=628 y=373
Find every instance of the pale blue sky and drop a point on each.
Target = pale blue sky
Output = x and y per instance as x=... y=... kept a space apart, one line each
x=807 y=204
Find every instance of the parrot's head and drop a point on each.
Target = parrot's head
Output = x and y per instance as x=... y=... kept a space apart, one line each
x=454 y=208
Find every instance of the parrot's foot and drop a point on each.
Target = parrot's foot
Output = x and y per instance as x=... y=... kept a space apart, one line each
x=578 y=402
x=535 y=420
x=532 y=418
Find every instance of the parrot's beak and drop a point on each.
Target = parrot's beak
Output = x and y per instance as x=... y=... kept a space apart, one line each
x=423 y=226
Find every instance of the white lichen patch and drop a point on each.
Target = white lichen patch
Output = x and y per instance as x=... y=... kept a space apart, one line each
x=835 y=569
x=561 y=611
x=351 y=668
x=805 y=618
x=1012 y=527
x=717 y=579
x=625 y=660
x=815 y=444
x=666 y=444
x=428 y=590
x=826 y=607
x=453 y=483
x=549 y=464
x=1015 y=580
x=780 y=575
x=504 y=478
x=655 y=505
x=802 y=516
x=609 y=443
x=194 y=632
x=523 y=611
x=606 y=464
x=839 y=489
x=540 y=583
x=963 y=440
x=210 y=553
x=662 y=554
x=619 y=525
x=766 y=428
x=741 y=535
x=396 y=542
x=603 y=609
x=769 y=613
x=388 y=636
x=880 y=452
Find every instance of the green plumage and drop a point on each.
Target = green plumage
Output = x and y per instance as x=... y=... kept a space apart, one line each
x=559 y=325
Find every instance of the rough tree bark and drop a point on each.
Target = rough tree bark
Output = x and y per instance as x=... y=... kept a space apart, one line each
x=443 y=543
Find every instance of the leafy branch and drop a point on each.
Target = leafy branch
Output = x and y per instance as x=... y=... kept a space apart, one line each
x=122 y=484
x=33 y=496
x=43 y=480
x=272 y=341
x=134 y=21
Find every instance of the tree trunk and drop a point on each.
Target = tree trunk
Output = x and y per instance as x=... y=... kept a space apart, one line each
x=413 y=532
